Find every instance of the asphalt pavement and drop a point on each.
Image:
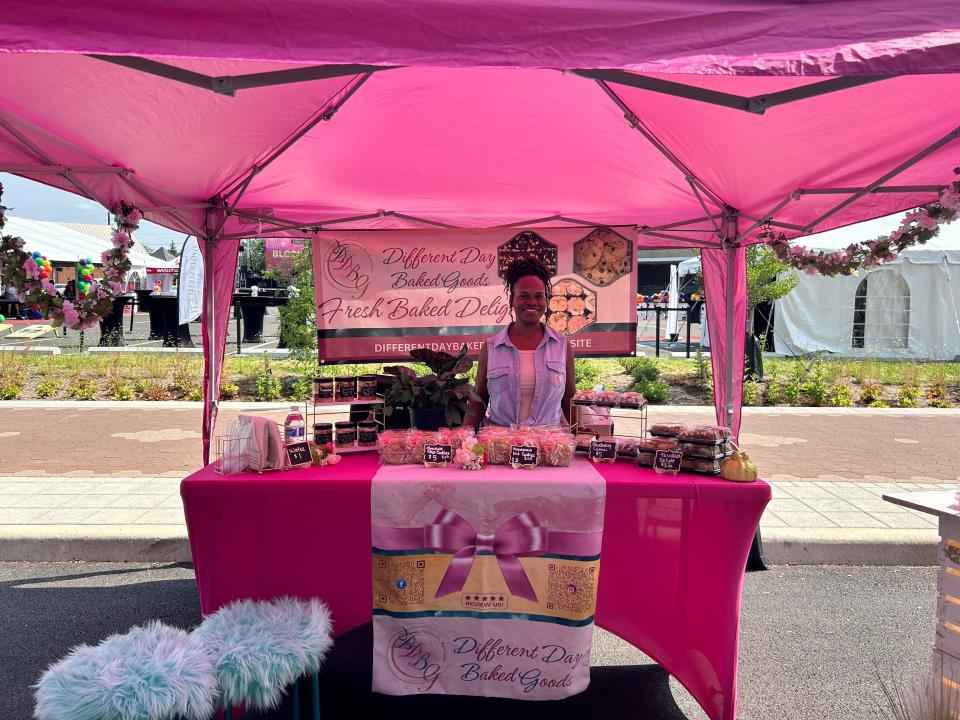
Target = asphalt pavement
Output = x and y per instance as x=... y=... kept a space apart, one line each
x=814 y=643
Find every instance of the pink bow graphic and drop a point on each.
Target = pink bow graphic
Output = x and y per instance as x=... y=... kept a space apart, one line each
x=522 y=536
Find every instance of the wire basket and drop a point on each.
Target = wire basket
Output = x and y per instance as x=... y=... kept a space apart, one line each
x=232 y=454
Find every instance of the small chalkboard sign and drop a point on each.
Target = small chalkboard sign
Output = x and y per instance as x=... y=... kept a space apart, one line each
x=523 y=455
x=299 y=453
x=667 y=461
x=603 y=450
x=436 y=454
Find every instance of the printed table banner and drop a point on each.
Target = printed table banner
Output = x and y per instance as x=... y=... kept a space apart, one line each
x=381 y=294
x=485 y=583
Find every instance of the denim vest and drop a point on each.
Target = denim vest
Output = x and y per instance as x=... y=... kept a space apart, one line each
x=503 y=380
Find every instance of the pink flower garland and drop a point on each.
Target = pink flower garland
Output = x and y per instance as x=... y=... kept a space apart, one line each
x=916 y=228
x=20 y=271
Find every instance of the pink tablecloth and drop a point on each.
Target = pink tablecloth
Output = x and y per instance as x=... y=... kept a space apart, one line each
x=672 y=560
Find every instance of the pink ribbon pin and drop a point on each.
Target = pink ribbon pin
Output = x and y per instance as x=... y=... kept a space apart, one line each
x=521 y=536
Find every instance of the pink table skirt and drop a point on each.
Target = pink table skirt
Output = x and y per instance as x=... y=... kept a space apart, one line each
x=671 y=568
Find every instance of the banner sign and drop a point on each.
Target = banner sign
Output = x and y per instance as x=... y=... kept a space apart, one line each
x=190 y=286
x=277 y=251
x=381 y=294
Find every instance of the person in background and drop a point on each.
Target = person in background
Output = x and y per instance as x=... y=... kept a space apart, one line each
x=526 y=374
x=69 y=293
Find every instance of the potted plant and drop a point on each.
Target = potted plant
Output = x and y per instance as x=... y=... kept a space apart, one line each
x=435 y=400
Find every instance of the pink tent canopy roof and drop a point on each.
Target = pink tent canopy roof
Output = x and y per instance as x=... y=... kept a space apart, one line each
x=745 y=37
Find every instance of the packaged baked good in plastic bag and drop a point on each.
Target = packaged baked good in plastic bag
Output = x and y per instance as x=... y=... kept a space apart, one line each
x=628 y=447
x=556 y=448
x=701 y=465
x=652 y=444
x=700 y=450
x=524 y=438
x=632 y=399
x=415 y=442
x=667 y=429
x=393 y=447
x=704 y=434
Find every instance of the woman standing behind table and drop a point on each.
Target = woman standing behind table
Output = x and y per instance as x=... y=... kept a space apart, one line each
x=525 y=375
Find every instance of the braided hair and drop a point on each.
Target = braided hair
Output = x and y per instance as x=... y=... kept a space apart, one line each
x=525 y=267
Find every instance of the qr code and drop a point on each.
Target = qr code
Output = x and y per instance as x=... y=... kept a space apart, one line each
x=572 y=588
x=400 y=581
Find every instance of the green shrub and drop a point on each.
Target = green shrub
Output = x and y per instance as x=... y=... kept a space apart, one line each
x=156 y=390
x=655 y=391
x=908 y=396
x=840 y=396
x=82 y=389
x=878 y=404
x=302 y=388
x=267 y=384
x=194 y=394
x=141 y=386
x=703 y=368
x=228 y=389
x=750 y=392
x=816 y=387
x=641 y=369
x=10 y=389
x=774 y=393
x=870 y=392
x=47 y=387
x=588 y=372
x=793 y=390
x=939 y=403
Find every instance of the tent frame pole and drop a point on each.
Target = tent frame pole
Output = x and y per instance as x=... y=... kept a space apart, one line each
x=730 y=223
x=209 y=301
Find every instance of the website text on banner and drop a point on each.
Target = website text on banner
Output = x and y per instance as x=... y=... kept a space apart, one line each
x=381 y=294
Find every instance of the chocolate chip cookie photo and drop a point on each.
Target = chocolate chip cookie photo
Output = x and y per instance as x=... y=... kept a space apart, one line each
x=602 y=257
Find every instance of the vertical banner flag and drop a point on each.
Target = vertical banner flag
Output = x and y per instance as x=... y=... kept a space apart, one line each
x=381 y=294
x=190 y=284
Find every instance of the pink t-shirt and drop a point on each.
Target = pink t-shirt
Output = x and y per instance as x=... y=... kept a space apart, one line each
x=528 y=382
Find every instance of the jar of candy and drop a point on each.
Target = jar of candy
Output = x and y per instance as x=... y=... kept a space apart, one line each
x=368 y=386
x=323 y=389
x=347 y=388
x=366 y=433
x=322 y=433
x=346 y=433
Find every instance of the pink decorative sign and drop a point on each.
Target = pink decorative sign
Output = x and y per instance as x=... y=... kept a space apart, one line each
x=381 y=294
x=277 y=251
x=485 y=585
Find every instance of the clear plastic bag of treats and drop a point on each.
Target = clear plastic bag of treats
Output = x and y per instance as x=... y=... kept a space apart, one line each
x=454 y=436
x=652 y=444
x=701 y=465
x=583 y=442
x=585 y=397
x=496 y=440
x=610 y=398
x=631 y=399
x=525 y=437
x=704 y=434
x=667 y=429
x=556 y=447
x=393 y=447
x=628 y=447
x=415 y=442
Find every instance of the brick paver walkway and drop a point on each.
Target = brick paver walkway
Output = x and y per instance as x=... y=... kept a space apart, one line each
x=792 y=445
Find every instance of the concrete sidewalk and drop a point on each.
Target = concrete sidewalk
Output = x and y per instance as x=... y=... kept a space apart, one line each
x=102 y=483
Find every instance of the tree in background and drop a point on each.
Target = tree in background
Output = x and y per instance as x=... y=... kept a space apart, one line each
x=298 y=316
x=252 y=261
x=173 y=249
x=768 y=279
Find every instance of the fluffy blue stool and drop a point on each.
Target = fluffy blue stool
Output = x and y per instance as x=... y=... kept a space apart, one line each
x=152 y=672
x=261 y=648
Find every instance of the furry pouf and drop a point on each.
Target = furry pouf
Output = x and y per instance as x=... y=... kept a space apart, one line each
x=149 y=673
x=260 y=648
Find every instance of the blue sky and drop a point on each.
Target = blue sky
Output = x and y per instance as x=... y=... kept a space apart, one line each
x=34 y=201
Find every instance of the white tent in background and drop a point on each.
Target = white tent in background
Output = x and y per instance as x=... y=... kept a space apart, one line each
x=909 y=308
x=905 y=309
x=66 y=246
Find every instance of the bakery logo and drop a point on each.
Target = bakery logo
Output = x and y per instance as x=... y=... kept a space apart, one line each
x=526 y=245
x=417 y=656
x=484 y=601
x=602 y=257
x=349 y=267
x=571 y=307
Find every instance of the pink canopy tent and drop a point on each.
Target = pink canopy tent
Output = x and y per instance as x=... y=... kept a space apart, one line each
x=695 y=121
